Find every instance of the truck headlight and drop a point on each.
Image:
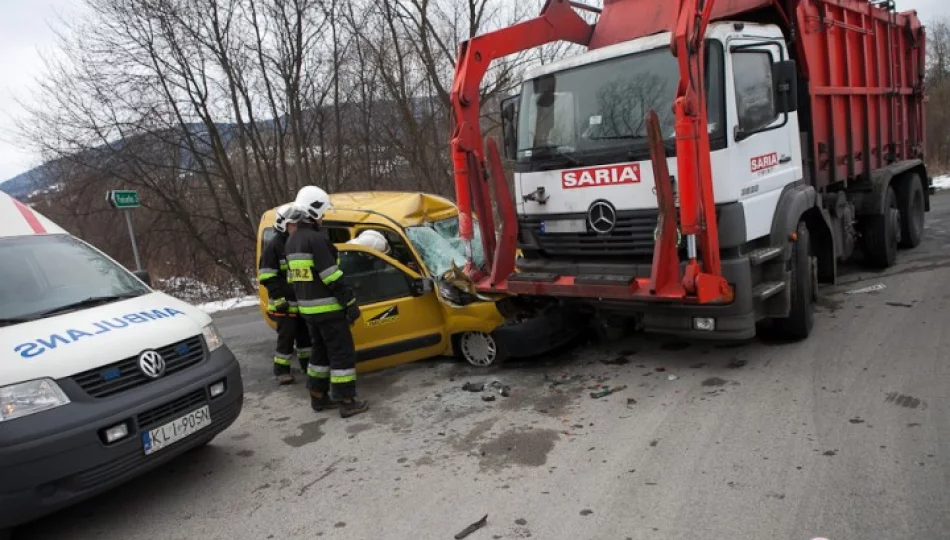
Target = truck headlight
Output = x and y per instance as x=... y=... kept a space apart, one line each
x=26 y=398
x=212 y=337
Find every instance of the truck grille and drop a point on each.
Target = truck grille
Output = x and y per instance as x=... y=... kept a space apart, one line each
x=171 y=410
x=632 y=237
x=125 y=374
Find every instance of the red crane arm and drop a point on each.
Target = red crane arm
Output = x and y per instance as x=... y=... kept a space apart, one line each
x=557 y=22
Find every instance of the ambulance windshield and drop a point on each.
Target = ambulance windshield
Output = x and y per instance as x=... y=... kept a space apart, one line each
x=46 y=275
x=601 y=108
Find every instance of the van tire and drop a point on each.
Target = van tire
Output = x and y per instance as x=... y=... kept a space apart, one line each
x=480 y=349
x=801 y=315
x=882 y=234
x=910 y=202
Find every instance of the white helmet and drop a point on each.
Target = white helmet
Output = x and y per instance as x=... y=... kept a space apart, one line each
x=286 y=214
x=373 y=240
x=313 y=202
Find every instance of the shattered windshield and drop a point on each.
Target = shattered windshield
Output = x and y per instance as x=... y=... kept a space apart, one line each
x=602 y=107
x=440 y=245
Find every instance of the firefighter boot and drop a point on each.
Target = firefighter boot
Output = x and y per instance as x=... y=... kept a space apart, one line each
x=352 y=407
x=320 y=401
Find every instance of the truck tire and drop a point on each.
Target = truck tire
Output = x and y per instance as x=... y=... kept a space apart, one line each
x=882 y=234
x=801 y=315
x=910 y=202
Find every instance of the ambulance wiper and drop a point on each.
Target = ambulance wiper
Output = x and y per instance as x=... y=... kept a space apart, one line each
x=87 y=302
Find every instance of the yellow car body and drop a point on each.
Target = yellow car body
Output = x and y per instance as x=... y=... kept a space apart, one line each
x=404 y=316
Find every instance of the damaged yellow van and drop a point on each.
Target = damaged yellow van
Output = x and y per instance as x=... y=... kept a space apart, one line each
x=413 y=304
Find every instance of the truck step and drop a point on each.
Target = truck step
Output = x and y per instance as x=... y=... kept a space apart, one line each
x=544 y=277
x=768 y=289
x=761 y=255
x=603 y=280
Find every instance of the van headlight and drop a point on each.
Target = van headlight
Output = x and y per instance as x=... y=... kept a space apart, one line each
x=212 y=337
x=26 y=398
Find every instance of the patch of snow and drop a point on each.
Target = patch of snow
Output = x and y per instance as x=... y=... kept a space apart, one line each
x=942 y=182
x=230 y=303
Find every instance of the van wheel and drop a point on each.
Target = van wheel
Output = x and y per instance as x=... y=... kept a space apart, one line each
x=803 y=286
x=910 y=202
x=481 y=349
x=882 y=234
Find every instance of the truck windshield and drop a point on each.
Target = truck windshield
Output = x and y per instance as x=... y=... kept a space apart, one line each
x=602 y=108
x=48 y=275
x=440 y=245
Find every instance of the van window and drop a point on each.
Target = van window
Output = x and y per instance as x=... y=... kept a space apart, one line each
x=47 y=275
x=372 y=279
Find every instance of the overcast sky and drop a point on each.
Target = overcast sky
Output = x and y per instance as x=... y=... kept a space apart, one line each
x=25 y=35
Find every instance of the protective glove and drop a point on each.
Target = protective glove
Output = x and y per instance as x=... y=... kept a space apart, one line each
x=352 y=313
x=281 y=305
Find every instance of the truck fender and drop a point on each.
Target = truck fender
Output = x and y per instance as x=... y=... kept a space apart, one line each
x=799 y=202
x=872 y=204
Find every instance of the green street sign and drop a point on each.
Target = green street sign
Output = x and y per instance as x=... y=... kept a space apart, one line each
x=123 y=199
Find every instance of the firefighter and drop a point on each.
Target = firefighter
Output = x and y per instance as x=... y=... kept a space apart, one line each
x=373 y=240
x=282 y=303
x=327 y=306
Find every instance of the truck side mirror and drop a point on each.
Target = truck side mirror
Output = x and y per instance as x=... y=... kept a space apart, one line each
x=509 y=126
x=420 y=286
x=785 y=80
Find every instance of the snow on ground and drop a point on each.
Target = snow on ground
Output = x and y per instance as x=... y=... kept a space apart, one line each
x=942 y=182
x=230 y=303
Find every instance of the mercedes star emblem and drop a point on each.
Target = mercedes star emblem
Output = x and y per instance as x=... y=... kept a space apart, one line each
x=152 y=364
x=602 y=217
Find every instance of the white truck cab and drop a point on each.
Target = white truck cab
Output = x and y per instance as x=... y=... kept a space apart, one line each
x=102 y=378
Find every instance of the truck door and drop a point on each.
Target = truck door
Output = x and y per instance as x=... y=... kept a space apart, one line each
x=765 y=149
x=401 y=320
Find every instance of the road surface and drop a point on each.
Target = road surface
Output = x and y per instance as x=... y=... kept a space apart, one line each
x=843 y=436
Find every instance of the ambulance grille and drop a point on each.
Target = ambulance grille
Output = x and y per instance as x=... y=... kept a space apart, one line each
x=125 y=375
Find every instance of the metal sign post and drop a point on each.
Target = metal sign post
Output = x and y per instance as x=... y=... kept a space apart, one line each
x=126 y=200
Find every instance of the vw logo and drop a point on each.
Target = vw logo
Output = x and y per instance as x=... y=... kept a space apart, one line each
x=152 y=364
x=602 y=217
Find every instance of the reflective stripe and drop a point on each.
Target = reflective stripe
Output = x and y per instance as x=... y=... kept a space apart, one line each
x=341 y=376
x=316 y=310
x=304 y=352
x=319 y=372
x=281 y=360
x=333 y=277
x=300 y=264
x=266 y=273
x=283 y=266
x=329 y=272
x=299 y=257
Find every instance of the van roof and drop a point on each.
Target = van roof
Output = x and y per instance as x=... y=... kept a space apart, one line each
x=406 y=208
x=18 y=219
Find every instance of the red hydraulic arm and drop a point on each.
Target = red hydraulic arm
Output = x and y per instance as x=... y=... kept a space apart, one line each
x=697 y=202
x=558 y=22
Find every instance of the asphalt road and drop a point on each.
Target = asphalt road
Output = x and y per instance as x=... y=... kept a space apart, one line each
x=843 y=436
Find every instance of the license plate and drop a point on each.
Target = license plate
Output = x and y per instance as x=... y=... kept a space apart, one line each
x=564 y=226
x=156 y=439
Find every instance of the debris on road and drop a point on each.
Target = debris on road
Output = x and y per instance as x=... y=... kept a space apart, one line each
x=618 y=361
x=856 y=420
x=671 y=377
x=631 y=401
x=586 y=512
x=472 y=528
x=502 y=389
x=606 y=391
x=473 y=387
x=899 y=304
x=864 y=290
x=568 y=380
x=488 y=398
x=661 y=369
x=736 y=364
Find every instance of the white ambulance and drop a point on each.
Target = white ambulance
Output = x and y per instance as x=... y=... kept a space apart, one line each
x=101 y=377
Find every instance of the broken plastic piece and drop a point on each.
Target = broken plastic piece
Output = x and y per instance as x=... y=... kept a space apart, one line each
x=671 y=377
x=488 y=398
x=473 y=387
x=606 y=391
x=472 y=528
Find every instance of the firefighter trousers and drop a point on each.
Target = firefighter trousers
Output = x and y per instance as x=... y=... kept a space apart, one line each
x=292 y=334
x=333 y=361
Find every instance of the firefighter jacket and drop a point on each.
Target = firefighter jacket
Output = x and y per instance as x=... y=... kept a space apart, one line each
x=272 y=273
x=314 y=270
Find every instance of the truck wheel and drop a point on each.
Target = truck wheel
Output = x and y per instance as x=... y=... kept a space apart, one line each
x=801 y=316
x=882 y=234
x=910 y=201
x=481 y=349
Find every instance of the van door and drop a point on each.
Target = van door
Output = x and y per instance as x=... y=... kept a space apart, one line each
x=399 y=323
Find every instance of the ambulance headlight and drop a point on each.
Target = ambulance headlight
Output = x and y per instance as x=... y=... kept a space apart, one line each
x=26 y=398
x=212 y=337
